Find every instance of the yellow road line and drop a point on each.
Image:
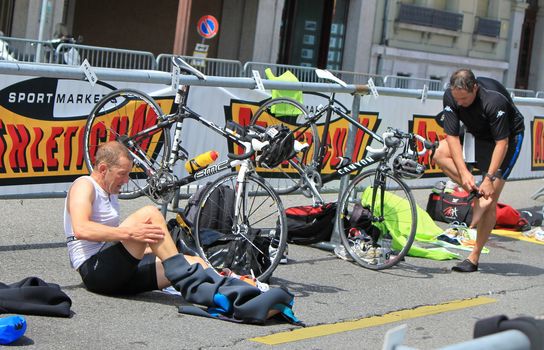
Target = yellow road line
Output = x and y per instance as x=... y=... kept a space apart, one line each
x=328 y=329
x=516 y=235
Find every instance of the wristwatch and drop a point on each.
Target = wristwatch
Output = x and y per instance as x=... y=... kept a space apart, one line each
x=490 y=176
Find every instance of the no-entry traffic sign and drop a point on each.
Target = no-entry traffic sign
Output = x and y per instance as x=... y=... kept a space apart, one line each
x=207 y=26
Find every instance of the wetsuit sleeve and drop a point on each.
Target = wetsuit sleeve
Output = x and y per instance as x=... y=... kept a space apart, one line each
x=451 y=120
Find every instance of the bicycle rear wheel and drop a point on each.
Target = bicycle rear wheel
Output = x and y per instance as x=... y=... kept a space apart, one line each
x=377 y=219
x=240 y=242
x=120 y=115
x=286 y=178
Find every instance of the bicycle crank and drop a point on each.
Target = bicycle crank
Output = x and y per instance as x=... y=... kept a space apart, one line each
x=161 y=189
x=311 y=184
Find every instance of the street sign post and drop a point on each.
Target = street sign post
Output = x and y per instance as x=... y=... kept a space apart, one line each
x=207 y=26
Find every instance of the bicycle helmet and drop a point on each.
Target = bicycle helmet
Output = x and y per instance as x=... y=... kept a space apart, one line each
x=280 y=148
x=407 y=167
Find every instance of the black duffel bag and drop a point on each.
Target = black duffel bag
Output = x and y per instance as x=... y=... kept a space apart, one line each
x=309 y=225
x=450 y=207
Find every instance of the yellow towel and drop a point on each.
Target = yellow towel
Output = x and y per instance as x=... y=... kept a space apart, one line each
x=516 y=235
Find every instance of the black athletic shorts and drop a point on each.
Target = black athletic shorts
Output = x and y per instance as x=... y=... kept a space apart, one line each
x=113 y=270
x=484 y=151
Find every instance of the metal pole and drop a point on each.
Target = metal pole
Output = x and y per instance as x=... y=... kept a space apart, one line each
x=352 y=131
x=506 y=340
x=43 y=16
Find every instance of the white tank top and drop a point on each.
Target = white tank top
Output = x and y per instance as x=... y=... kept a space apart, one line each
x=105 y=211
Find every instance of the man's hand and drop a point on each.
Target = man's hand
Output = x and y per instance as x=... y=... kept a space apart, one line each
x=146 y=232
x=467 y=181
x=486 y=188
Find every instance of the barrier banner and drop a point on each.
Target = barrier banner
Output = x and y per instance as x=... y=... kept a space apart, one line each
x=42 y=122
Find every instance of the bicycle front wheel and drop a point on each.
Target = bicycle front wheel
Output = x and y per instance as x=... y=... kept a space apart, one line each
x=237 y=232
x=122 y=115
x=285 y=111
x=377 y=219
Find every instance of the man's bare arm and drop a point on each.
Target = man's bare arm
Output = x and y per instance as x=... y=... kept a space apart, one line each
x=80 y=204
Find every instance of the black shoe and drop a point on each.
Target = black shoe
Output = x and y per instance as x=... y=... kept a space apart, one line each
x=465 y=266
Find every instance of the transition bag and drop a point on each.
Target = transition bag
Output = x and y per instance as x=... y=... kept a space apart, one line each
x=309 y=225
x=456 y=207
x=510 y=219
x=450 y=207
x=218 y=211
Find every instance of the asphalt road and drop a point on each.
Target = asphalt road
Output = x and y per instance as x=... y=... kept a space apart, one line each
x=344 y=305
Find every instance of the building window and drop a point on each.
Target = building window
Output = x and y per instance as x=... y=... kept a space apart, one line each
x=425 y=16
x=488 y=27
x=313 y=33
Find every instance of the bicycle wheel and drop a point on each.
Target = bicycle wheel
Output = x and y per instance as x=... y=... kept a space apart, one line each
x=286 y=178
x=377 y=236
x=120 y=115
x=245 y=230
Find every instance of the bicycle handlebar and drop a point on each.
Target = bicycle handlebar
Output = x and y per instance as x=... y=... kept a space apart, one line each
x=392 y=139
x=249 y=139
x=427 y=145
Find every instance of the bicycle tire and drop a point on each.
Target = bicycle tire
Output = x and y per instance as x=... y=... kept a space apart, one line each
x=262 y=215
x=397 y=229
x=122 y=113
x=264 y=116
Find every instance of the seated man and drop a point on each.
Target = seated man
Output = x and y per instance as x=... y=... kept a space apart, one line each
x=110 y=255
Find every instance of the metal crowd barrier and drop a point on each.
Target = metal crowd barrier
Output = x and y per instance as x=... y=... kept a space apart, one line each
x=399 y=82
x=209 y=66
x=26 y=50
x=104 y=57
x=521 y=93
x=307 y=74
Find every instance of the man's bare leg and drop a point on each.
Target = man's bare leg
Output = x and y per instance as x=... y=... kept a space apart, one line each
x=487 y=211
x=443 y=158
x=163 y=249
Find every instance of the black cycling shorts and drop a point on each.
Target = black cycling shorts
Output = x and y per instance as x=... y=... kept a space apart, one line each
x=113 y=270
x=484 y=151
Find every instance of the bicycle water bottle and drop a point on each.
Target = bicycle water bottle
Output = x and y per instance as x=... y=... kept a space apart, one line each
x=201 y=161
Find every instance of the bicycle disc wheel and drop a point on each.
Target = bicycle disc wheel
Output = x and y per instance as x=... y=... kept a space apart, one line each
x=241 y=233
x=285 y=178
x=121 y=115
x=375 y=236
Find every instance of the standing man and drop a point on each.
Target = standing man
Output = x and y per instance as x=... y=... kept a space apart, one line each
x=111 y=258
x=487 y=111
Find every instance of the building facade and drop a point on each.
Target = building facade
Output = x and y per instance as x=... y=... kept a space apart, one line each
x=425 y=39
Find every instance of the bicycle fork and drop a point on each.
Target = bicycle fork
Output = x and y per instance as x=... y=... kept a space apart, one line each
x=240 y=224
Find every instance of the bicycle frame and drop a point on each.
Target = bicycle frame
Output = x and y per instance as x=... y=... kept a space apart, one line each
x=178 y=152
x=328 y=111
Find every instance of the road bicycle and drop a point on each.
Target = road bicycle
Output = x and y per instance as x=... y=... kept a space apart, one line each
x=136 y=120
x=390 y=227
x=307 y=171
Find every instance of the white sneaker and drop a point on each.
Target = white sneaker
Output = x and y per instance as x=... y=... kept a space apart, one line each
x=272 y=252
x=341 y=252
